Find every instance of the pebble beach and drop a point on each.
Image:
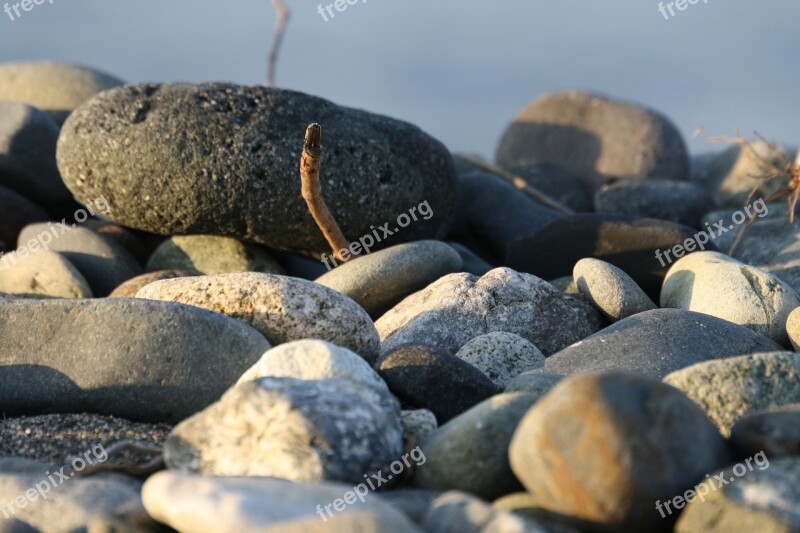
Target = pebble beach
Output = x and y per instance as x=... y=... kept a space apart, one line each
x=594 y=331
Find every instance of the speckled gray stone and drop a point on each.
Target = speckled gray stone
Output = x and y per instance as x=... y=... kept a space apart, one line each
x=793 y=328
x=27 y=154
x=418 y=424
x=104 y=263
x=136 y=359
x=766 y=498
x=534 y=383
x=222 y=159
x=730 y=388
x=591 y=134
x=470 y=452
x=459 y=307
x=42 y=273
x=282 y=308
x=718 y=285
x=379 y=280
x=73 y=504
x=314 y=359
x=501 y=356
x=605 y=447
x=16 y=212
x=658 y=342
x=55 y=88
x=610 y=289
x=266 y=505
x=210 y=254
x=775 y=431
x=304 y=431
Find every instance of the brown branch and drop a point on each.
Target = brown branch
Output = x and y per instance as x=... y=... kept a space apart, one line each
x=282 y=18
x=517 y=182
x=311 y=190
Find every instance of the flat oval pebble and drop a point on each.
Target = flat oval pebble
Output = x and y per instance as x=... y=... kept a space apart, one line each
x=718 y=285
x=629 y=243
x=605 y=447
x=425 y=376
x=128 y=289
x=610 y=289
x=655 y=343
x=764 y=497
x=104 y=263
x=314 y=359
x=56 y=88
x=591 y=134
x=775 y=432
x=459 y=307
x=263 y=504
x=27 y=154
x=210 y=254
x=217 y=158
x=282 y=308
x=381 y=279
x=136 y=359
x=304 y=431
x=470 y=452
x=731 y=388
x=501 y=356
x=42 y=273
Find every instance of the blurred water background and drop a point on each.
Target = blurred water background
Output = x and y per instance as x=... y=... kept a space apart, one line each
x=459 y=69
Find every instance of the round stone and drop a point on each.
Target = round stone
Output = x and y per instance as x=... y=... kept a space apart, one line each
x=502 y=356
x=210 y=254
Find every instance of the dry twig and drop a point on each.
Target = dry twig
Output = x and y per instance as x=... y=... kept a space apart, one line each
x=311 y=190
x=517 y=182
x=282 y=18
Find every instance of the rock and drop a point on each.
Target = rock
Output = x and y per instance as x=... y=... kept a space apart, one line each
x=655 y=343
x=313 y=359
x=501 y=356
x=716 y=284
x=127 y=238
x=472 y=263
x=128 y=289
x=418 y=424
x=590 y=134
x=492 y=213
x=55 y=88
x=104 y=263
x=381 y=279
x=263 y=504
x=42 y=273
x=775 y=432
x=731 y=388
x=101 y=499
x=230 y=155
x=459 y=307
x=283 y=309
x=628 y=243
x=727 y=176
x=676 y=201
x=27 y=147
x=209 y=254
x=304 y=431
x=571 y=189
x=148 y=361
x=16 y=526
x=610 y=289
x=414 y=503
x=534 y=383
x=793 y=329
x=772 y=245
x=470 y=452
x=457 y=512
x=16 y=212
x=427 y=377
x=299 y=266
x=762 y=498
x=639 y=441
x=567 y=286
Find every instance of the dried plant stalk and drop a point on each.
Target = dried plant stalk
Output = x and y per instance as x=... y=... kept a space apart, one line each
x=311 y=190
x=517 y=182
x=282 y=19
